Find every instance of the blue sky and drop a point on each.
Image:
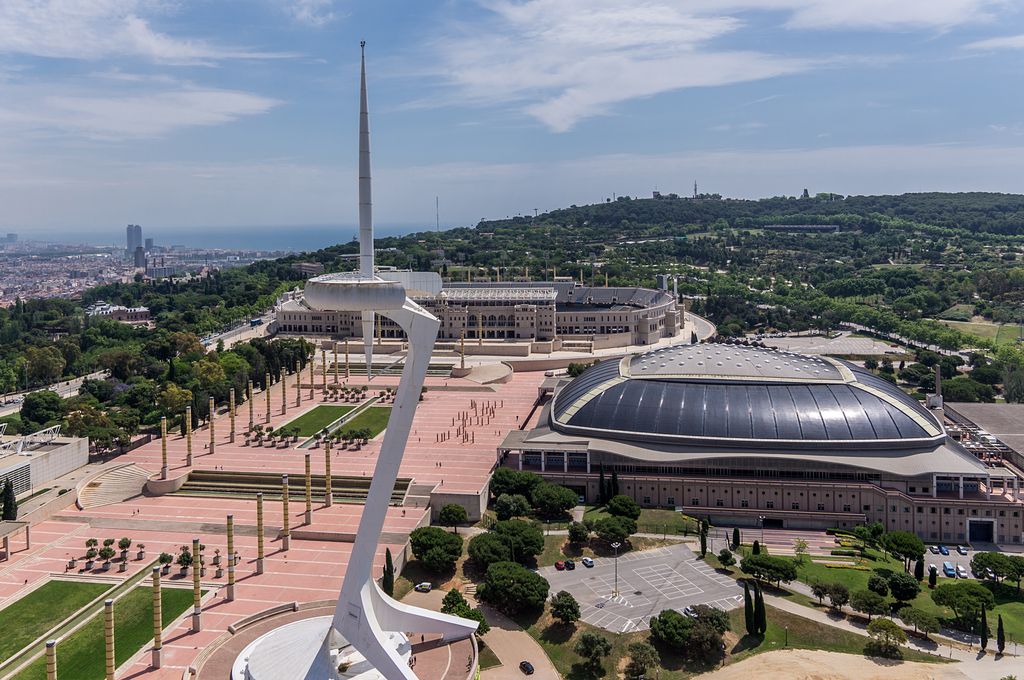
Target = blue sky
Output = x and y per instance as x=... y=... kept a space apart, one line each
x=239 y=113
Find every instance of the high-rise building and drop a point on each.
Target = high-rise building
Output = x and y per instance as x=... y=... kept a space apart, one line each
x=12 y=238
x=149 y=245
x=134 y=240
x=140 y=256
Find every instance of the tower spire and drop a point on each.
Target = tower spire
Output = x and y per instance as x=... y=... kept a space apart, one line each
x=365 y=206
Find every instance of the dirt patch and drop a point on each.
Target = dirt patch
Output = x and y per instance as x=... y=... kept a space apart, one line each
x=805 y=664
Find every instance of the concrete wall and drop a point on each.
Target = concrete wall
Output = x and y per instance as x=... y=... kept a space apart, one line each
x=475 y=504
x=49 y=465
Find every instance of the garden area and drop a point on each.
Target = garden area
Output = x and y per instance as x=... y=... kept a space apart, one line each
x=372 y=421
x=82 y=652
x=41 y=610
x=317 y=419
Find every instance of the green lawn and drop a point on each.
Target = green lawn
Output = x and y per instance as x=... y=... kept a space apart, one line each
x=487 y=657
x=375 y=418
x=81 y=655
x=653 y=521
x=41 y=610
x=313 y=421
x=1000 y=333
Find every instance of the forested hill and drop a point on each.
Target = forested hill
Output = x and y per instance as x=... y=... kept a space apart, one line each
x=975 y=212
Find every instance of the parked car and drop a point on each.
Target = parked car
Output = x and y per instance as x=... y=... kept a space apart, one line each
x=587 y=562
x=989 y=574
x=570 y=565
x=526 y=667
x=691 y=612
x=423 y=587
x=948 y=570
x=934 y=549
x=944 y=550
x=962 y=549
x=961 y=571
x=932 y=567
x=559 y=565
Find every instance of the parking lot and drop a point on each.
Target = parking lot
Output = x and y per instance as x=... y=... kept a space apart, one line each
x=649 y=582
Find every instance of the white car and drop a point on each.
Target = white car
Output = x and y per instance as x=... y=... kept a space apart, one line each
x=587 y=562
x=961 y=571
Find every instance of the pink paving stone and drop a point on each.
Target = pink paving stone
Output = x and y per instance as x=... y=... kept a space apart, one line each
x=311 y=570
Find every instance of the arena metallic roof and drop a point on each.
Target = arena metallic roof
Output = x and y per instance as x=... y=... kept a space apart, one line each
x=732 y=395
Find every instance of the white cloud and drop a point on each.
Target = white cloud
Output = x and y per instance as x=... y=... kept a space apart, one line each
x=314 y=13
x=864 y=14
x=95 y=29
x=1007 y=42
x=566 y=60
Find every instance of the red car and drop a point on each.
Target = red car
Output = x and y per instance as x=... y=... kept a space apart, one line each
x=559 y=566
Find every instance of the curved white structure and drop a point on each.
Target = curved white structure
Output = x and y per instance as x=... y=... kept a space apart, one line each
x=367 y=623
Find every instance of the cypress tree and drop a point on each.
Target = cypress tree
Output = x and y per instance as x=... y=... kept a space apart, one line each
x=703 y=544
x=919 y=569
x=10 y=512
x=388 y=582
x=602 y=490
x=760 y=616
x=748 y=610
x=984 y=628
x=756 y=550
x=1000 y=635
x=735 y=538
x=615 y=483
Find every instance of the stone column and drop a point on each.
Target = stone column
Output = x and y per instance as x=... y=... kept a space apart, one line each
x=479 y=329
x=213 y=412
x=347 y=374
x=259 y=533
x=328 y=495
x=158 y=622
x=335 y=363
x=51 y=660
x=249 y=398
x=188 y=436
x=284 y=392
x=298 y=385
x=108 y=638
x=163 y=447
x=197 y=595
x=462 y=349
x=286 y=534
x=267 y=390
x=323 y=358
x=309 y=492
x=312 y=360
x=231 y=411
x=231 y=557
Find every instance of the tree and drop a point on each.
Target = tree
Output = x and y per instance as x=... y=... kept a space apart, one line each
x=593 y=647
x=838 y=595
x=819 y=590
x=45 y=364
x=725 y=557
x=964 y=598
x=868 y=602
x=436 y=548
x=671 y=628
x=984 y=629
x=904 y=545
x=453 y=600
x=735 y=538
x=173 y=400
x=40 y=409
x=455 y=604
x=748 y=611
x=642 y=658
x=703 y=544
x=1016 y=569
x=624 y=506
x=452 y=515
x=508 y=506
x=767 y=568
x=602 y=491
x=487 y=548
x=388 y=580
x=565 y=608
x=999 y=563
x=511 y=587
x=614 y=486
x=524 y=539
x=1000 y=635
x=553 y=500
x=887 y=635
x=919 y=569
x=933 y=577
x=578 y=532
x=760 y=611
x=800 y=548
x=507 y=480
x=920 y=620
x=9 y=502
x=756 y=548
x=878 y=584
x=903 y=587
x=614 y=529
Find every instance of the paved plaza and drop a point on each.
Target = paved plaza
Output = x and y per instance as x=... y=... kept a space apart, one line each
x=844 y=343
x=649 y=582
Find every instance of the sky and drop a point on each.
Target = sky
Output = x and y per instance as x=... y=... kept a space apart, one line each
x=238 y=114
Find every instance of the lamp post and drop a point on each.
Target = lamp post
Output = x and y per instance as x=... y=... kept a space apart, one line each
x=760 y=522
x=616 y=546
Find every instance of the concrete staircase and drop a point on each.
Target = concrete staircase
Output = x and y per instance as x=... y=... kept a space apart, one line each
x=113 y=486
x=418 y=495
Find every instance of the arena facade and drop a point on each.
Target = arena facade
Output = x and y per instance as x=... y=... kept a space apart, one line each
x=536 y=311
x=760 y=437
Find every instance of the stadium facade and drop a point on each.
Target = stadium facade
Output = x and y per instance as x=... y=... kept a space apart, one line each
x=527 y=311
x=759 y=437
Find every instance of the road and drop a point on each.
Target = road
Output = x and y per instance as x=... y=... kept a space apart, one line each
x=67 y=388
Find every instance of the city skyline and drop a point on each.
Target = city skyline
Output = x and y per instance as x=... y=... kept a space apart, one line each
x=197 y=116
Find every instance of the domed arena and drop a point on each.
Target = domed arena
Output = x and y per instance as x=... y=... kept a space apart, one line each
x=761 y=437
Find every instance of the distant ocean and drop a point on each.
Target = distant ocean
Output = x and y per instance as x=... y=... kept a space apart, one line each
x=292 y=237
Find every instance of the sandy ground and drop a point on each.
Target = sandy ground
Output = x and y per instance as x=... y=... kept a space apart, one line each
x=803 y=664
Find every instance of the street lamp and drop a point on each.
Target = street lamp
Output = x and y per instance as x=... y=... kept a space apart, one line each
x=616 y=545
x=760 y=521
